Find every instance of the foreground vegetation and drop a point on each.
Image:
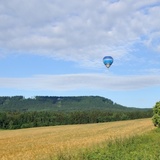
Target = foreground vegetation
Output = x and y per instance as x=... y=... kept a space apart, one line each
x=141 y=147
x=69 y=141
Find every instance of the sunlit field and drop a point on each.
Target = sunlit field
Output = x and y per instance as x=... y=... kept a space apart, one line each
x=48 y=142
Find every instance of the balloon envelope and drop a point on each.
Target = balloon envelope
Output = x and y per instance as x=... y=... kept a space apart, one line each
x=107 y=60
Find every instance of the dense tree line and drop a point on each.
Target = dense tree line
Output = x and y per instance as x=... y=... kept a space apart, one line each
x=17 y=120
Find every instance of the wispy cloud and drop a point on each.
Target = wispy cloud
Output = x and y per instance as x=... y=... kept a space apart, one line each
x=80 y=81
x=76 y=30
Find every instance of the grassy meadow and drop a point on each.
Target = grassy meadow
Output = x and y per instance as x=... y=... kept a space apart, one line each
x=71 y=141
x=142 y=147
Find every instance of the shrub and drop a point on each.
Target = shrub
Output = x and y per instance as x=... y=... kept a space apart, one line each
x=156 y=116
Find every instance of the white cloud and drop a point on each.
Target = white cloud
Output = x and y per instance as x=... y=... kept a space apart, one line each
x=80 y=81
x=76 y=30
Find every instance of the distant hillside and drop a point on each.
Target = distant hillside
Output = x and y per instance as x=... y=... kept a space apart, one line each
x=65 y=104
x=18 y=112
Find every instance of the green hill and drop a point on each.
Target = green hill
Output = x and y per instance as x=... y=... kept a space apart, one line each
x=63 y=104
x=18 y=112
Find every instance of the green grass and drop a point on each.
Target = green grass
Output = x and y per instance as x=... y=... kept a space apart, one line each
x=143 y=147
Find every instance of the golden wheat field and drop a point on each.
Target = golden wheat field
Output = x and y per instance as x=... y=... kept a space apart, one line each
x=45 y=142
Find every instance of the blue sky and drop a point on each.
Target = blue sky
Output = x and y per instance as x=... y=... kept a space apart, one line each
x=56 y=48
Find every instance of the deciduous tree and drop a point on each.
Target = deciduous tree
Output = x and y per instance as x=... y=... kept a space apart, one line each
x=156 y=116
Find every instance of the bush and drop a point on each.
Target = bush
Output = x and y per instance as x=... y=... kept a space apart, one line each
x=156 y=116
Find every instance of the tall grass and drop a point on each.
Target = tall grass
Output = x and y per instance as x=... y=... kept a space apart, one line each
x=140 y=147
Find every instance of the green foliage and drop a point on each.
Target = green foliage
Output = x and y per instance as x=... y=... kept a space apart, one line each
x=18 y=112
x=15 y=120
x=144 y=147
x=156 y=116
x=65 y=104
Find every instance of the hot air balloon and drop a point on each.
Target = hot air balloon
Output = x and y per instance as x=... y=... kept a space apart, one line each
x=107 y=60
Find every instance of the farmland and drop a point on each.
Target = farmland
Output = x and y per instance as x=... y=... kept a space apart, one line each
x=48 y=142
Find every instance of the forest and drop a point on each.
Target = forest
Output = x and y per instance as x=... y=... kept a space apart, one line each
x=18 y=112
x=65 y=104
